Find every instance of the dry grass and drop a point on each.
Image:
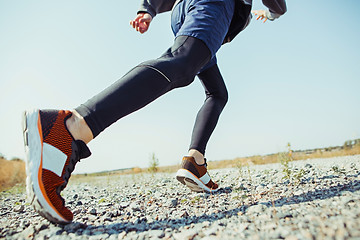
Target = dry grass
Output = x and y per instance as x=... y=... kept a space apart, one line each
x=296 y=155
x=11 y=173
x=355 y=150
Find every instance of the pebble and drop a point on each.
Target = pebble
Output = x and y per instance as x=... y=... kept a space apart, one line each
x=19 y=208
x=324 y=204
x=93 y=211
x=173 y=203
x=124 y=204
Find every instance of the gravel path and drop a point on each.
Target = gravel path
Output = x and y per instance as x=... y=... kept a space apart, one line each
x=320 y=199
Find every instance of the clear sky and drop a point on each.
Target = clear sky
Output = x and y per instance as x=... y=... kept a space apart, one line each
x=292 y=80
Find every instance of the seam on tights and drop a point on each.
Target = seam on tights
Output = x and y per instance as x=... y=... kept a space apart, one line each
x=157 y=70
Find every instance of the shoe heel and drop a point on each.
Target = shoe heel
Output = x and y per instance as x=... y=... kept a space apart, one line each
x=193 y=185
x=24 y=128
x=181 y=179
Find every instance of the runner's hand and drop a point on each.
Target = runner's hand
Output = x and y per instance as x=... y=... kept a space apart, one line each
x=142 y=22
x=261 y=15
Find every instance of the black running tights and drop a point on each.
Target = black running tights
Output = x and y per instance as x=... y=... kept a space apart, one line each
x=177 y=67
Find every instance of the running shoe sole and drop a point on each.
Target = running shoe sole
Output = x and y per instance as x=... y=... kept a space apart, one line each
x=191 y=181
x=33 y=142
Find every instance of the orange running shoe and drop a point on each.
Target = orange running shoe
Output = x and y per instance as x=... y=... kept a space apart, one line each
x=51 y=155
x=195 y=176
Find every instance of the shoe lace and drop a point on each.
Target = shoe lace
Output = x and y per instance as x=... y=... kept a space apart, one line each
x=80 y=151
x=68 y=170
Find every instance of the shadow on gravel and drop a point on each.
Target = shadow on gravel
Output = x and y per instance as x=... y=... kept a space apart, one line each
x=141 y=224
x=337 y=176
x=317 y=194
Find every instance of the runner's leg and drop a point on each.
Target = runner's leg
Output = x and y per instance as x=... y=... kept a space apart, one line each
x=145 y=83
x=207 y=117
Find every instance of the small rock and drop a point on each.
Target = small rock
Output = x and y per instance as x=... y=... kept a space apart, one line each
x=105 y=204
x=19 y=208
x=135 y=206
x=124 y=205
x=308 y=165
x=284 y=215
x=77 y=211
x=298 y=193
x=173 y=203
x=93 y=211
x=184 y=214
x=24 y=223
x=347 y=200
x=211 y=231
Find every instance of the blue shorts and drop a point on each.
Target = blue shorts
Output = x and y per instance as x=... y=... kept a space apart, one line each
x=207 y=20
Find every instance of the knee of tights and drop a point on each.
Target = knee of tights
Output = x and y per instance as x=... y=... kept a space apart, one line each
x=225 y=97
x=221 y=96
x=219 y=101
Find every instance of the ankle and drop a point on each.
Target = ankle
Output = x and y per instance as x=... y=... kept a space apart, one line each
x=198 y=156
x=78 y=128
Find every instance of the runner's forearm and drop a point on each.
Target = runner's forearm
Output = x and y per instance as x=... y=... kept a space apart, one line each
x=276 y=8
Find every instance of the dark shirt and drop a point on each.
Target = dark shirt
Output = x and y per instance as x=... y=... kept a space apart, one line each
x=241 y=17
